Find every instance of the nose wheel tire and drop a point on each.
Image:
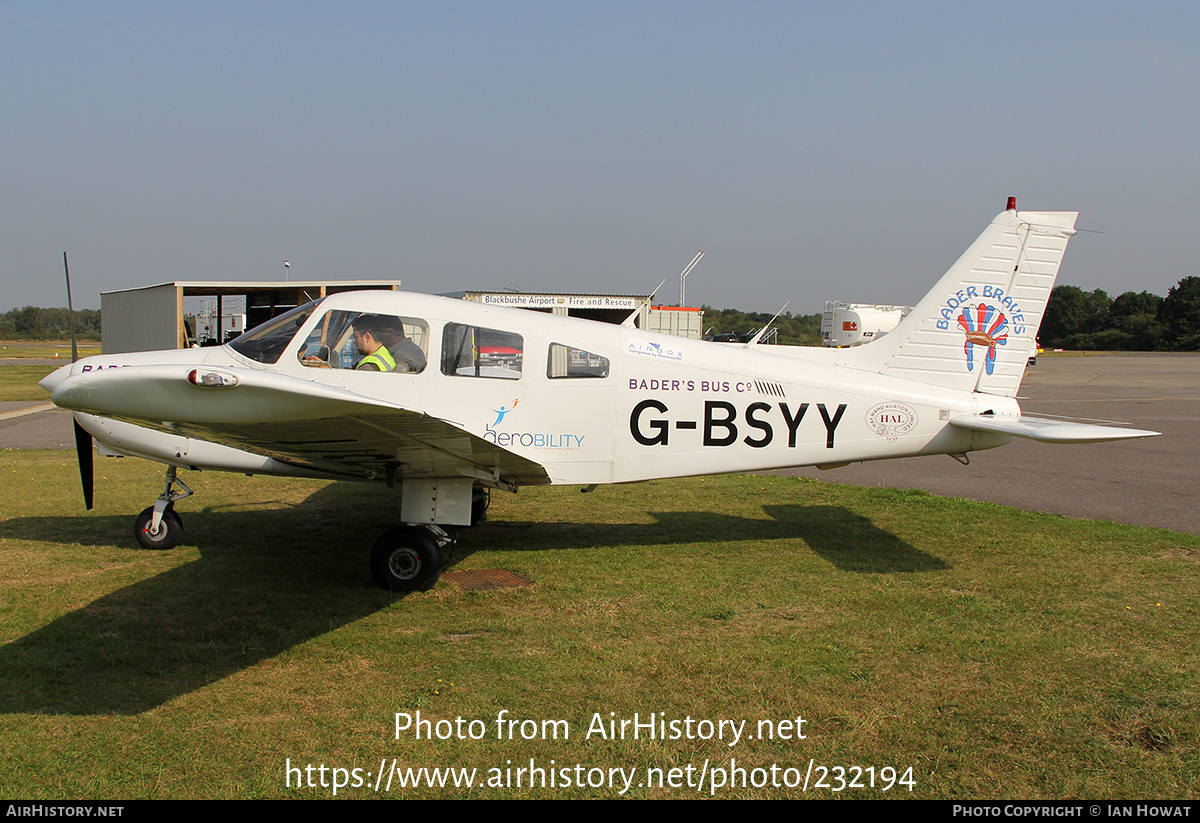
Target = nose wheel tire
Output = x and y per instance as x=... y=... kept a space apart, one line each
x=406 y=559
x=169 y=534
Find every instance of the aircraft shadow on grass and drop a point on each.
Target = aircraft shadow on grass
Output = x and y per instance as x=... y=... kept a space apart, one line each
x=145 y=644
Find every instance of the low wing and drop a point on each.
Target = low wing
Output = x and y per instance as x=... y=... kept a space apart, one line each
x=1049 y=431
x=365 y=440
x=295 y=421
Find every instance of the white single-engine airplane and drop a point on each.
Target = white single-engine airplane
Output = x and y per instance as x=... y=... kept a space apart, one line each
x=449 y=399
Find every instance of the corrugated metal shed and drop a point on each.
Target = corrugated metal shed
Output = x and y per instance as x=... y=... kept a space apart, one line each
x=151 y=317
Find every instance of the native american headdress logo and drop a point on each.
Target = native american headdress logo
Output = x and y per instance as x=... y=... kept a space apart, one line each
x=985 y=326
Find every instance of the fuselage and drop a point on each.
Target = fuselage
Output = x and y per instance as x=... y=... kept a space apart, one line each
x=590 y=402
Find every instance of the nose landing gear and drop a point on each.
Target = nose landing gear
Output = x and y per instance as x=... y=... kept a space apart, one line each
x=158 y=527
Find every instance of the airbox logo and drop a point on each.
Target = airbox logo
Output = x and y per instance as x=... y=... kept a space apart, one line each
x=985 y=326
x=656 y=350
x=891 y=420
x=532 y=440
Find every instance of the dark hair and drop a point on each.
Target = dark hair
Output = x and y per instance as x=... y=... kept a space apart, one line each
x=372 y=323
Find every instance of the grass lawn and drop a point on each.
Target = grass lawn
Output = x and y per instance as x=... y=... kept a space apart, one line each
x=21 y=382
x=47 y=348
x=982 y=652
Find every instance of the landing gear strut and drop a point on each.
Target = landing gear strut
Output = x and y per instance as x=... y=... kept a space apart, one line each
x=409 y=558
x=158 y=527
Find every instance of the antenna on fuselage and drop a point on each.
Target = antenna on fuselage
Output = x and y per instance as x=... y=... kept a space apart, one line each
x=646 y=302
x=763 y=330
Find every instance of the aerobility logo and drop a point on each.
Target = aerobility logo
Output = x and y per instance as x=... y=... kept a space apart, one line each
x=532 y=440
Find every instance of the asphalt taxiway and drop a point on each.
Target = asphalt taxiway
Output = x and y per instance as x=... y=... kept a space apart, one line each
x=1147 y=482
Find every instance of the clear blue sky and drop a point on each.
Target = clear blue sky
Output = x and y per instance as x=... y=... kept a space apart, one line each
x=814 y=150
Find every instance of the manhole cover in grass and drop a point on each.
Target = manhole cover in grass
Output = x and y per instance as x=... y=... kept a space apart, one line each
x=477 y=580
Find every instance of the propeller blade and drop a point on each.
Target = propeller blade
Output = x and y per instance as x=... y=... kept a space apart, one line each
x=83 y=440
x=83 y=449
x=71 y=313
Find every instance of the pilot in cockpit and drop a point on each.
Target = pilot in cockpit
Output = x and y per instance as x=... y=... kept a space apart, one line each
x=370 y=331
x=367 y=342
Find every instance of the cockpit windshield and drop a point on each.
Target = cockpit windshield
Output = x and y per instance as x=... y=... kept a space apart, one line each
x=266 y=343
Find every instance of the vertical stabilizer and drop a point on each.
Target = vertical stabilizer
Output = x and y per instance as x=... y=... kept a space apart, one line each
x=977 y=328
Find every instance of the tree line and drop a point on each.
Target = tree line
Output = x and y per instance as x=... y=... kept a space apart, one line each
x=1075 y=319
x=1133 y=321
x=33 y=323
x=794 y=329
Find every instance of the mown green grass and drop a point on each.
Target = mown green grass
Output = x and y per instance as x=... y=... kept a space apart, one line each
x=21 y=382
x=998 y=653
x=47 y=348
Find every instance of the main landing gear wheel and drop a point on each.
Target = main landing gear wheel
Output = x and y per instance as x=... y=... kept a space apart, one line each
x=481 y=498
x=169 y=534
x=406 y=559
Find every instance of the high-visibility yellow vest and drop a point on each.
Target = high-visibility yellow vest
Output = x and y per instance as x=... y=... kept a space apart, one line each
x=381 y=358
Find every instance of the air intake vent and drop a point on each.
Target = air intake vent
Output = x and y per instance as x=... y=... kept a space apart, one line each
x=773 y=389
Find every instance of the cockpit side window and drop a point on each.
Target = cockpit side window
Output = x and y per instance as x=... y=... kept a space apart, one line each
x=367 y=342
x=266 y=343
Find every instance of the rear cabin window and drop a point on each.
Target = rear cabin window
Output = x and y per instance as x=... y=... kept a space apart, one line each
x=567 y=361
x=472 y=351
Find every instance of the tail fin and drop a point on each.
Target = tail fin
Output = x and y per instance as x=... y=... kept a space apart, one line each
x=977 y=328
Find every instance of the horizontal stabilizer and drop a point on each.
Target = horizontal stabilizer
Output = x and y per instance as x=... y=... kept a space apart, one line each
x=1049 y=431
